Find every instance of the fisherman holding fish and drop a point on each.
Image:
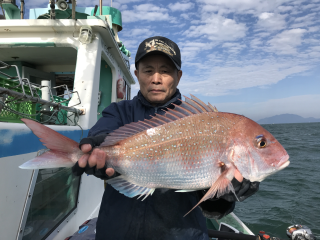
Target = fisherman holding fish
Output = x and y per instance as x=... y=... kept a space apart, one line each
x=160 y=216
x=184 y=153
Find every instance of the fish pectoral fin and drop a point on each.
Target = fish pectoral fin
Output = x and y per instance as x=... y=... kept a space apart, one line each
x=124 y=186
x=220 y=187
x=186 y=190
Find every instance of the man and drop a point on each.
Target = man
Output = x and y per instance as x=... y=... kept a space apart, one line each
x=158 y=70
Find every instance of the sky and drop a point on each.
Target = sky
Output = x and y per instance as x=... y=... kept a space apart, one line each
x=258 y=58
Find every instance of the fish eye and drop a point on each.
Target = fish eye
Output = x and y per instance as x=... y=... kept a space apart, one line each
x=262 y=143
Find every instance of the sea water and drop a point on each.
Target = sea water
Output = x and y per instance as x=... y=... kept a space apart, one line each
x=291 y=196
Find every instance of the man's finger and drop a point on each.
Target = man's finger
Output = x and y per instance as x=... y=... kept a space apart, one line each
x=238 y=175
x=86 y=148
x=101 y=159
x=110 y=172
x=93 y=158
x=82 y=162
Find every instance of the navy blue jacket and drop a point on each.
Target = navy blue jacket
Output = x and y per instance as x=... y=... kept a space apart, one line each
x=159 y=216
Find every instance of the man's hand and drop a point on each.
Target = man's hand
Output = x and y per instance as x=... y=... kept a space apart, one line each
x=96 y=158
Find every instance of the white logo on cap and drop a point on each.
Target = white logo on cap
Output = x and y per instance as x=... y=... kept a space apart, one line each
x=159 y=45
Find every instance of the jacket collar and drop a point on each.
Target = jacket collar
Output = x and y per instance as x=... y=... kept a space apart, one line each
x=175 y=99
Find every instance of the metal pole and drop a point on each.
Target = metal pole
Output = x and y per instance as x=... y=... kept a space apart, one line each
x=45 y=93
x=52 y=6
x=111 y=3
x=100 y=7
x=21 y=8
x=73 y=9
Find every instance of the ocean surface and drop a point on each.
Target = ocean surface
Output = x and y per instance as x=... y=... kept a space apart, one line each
x=291 y=196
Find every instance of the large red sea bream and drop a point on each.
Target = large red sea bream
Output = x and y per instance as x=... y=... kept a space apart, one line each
x=189 y=148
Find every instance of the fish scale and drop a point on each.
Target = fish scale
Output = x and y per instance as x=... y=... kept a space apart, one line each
x=189 y=148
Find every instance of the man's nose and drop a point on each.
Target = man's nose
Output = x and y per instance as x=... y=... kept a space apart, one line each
x=156 y=78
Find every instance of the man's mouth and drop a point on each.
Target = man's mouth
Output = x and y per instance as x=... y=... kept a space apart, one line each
x=155 y=90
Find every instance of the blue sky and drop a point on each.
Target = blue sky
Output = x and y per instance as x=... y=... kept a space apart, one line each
x=258 y=58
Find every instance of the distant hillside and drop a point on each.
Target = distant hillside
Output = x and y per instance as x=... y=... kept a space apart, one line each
x=287 y=118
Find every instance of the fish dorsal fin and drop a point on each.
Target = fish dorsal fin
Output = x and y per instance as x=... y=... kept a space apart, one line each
x=186 y=108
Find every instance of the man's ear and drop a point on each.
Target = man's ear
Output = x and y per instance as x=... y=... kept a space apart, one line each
x=179 y=76
x=136 y=72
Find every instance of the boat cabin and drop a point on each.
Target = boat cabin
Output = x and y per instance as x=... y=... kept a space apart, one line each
x=61 y=72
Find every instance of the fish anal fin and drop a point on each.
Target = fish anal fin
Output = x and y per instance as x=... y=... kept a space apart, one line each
x=124 y=186
x=221 y=186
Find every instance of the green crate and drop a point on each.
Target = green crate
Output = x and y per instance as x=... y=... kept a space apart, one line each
x=62 y=114
x=26 y=107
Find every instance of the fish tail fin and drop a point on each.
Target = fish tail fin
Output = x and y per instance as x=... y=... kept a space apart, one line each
x=221 y=186
x=49 y=159
x=61 y=148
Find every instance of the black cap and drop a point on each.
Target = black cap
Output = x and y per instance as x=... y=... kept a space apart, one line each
x=162 y=45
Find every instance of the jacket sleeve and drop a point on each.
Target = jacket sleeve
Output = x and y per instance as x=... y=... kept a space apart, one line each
x=220 y=207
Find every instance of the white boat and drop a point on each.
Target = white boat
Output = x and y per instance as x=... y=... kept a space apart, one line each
x=78 y=67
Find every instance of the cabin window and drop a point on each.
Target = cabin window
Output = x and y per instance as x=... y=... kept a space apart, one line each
x=54 y=198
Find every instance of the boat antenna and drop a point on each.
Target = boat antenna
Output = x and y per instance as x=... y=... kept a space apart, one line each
x=95 y=10
x=52 y=6
x=100 y=7
x=4 y=16
x=73 y=9
x=21 y=8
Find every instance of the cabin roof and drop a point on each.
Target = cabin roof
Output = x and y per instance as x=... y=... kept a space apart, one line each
x=69 y=25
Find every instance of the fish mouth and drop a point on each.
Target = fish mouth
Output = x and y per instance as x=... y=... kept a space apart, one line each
x=284 y=165
x=284 y=162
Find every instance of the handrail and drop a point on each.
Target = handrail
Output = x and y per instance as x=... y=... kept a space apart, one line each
x=41 y=101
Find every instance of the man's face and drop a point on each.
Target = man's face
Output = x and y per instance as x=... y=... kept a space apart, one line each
x=158 y=78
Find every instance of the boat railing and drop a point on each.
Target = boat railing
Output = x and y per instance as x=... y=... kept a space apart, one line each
x=20 y=98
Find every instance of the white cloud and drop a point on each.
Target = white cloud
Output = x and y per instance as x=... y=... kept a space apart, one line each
x=147 y=32
x=271 y=21
x=181 y=6
x=134 y=88
x=241 y=6
x=287 y=41
x=185 y=16
x=8 y=135
x=190 y=49
x=234 y=74
x=314 y=29
x=217 y=28
x=147 y=13
x=305 y=21
x=233 y=47
x=284 y=8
